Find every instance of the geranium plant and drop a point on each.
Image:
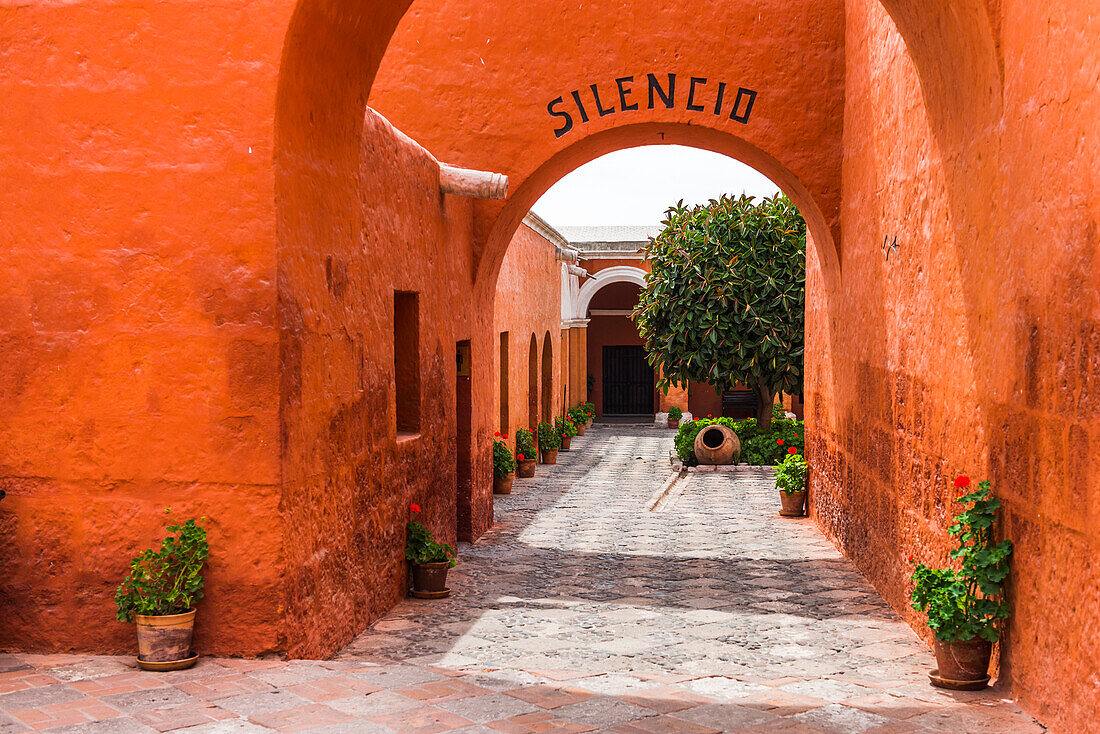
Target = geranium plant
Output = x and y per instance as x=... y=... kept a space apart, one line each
x=165 y=581
x=790 y=477
x=549 y=439
x=675 y=414
x=967 y=603
x=578 y=415
x=525 y=445
x=565 y=427
x=503 y=461
x=421 y=549
x=589 y=410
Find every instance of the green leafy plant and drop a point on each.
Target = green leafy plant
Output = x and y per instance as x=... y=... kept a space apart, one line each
x=724 y=302
x=967 y=603
x=565 y=427
x=165 y=581
x=503 y=461
x=760 y=448
x=525 y=445
x=578 y=415
x=421 y=549
x=589 y=410
x=791 y=475
x=549 y=439
x=778 y=411
x=675 y=414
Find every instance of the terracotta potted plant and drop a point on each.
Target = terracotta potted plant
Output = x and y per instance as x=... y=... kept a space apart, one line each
x=965 y=605
x=589 y=412
x=674 y=416
x=159 y=596
x=565 y=429
x=504 y=466
x=790 y=480
x=549 y=443
x=526 y=455
x=430 y=561
x=579 y=419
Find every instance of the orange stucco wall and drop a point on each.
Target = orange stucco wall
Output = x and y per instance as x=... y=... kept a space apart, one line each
x=172 y=334
x=528 y=305
x=974 y=349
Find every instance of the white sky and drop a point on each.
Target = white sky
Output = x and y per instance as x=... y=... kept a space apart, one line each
x=635 y=186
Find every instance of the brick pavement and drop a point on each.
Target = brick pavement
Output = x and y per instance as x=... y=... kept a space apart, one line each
x=583 y=610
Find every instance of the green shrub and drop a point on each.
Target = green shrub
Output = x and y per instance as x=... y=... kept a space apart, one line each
x=578 y=415
x=421 y=549
x=168 y=581
x=525 y=445
x=675 y=414
x=565 y=428
x=757 y=447
x=548 y=437
x=503 y=461
x=778 y=411
x=791 y=475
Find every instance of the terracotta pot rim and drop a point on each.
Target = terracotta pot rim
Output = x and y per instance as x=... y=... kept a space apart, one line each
x=791 y=494
x=160 y=620
x=504 y=476
x=433 y=564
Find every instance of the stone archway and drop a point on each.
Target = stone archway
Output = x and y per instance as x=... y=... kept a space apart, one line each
x=604 y=278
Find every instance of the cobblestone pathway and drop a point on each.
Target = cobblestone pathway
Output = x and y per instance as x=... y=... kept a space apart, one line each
x=583 y=610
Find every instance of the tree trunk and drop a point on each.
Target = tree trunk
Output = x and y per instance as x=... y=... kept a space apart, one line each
x=764 y=399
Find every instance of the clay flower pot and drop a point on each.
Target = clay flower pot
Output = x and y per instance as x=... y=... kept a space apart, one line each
x=549 y=456
x=963 y=661
x=580 y=428
x=525 y=469
x=503 y=485
x=430 y=578
x=716 y=444
x=164 y=638
x=565 y=441
x=793 y=504
x=673 y=424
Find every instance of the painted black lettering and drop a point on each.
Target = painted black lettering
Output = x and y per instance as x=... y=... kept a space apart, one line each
x=749 y=97
x=577 y=98
x=599 y=107
x=624 y=91
x=565 y=126
x=654 y=85
x=691 y=93
x=721 y=94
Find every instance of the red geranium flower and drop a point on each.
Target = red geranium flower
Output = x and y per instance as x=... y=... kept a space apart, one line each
x=497 y=433
x=414 y=508
x=910 y=558
x=520 y=457
x=962 y=481
x=505 y=436
x=779 y=441
x=792 y=450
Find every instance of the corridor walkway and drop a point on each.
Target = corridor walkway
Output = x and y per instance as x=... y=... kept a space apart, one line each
x=583 y=610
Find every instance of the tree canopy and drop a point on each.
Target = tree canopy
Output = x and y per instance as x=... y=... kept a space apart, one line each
x=724 y=302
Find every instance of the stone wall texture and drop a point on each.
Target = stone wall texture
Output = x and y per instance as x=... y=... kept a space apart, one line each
x=204 y=225
x=975 y=348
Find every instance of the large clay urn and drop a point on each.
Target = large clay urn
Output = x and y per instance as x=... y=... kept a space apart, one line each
x=717 y=444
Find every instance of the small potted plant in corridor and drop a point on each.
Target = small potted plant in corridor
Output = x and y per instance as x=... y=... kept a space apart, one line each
x=565 y=429
x=504 y=466
x=159 y=596
x=549 y=443
x=526 y=455
x=965 y=606
x=430 y=561
x=674 y=416
x=790 y=480
x=580 y=419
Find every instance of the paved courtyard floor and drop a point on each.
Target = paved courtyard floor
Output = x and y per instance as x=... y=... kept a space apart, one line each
x=604 y=599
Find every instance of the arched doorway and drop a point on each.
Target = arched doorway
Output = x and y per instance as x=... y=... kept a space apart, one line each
x=547 y=378
x=533 y=384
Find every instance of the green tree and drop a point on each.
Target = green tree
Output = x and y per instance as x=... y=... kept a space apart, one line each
x=724 y=302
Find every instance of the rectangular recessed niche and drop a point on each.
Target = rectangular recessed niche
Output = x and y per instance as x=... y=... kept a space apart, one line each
x=406 y=360
x=504 y=382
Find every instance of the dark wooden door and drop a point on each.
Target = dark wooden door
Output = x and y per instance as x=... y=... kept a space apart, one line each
x=627 y=381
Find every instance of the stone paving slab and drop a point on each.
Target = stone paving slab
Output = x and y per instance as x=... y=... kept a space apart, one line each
x=587 y=608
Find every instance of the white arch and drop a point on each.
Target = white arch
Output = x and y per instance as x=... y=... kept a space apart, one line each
x=607 y=276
